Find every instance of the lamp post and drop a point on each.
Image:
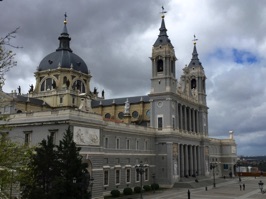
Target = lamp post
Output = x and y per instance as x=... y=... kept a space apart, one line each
x=261 y=185
x=153 y=187
x=238 y=165
x=91 y=185
x=213 y=165
x=140 y=169
x=85 y=184
x=11 y=183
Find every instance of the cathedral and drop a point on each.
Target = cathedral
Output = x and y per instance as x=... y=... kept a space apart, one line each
x=167 y=130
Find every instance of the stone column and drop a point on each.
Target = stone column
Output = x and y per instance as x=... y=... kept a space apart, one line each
x=185 y=118
x=195 y=160
x=190 y=160
x=186 y=168
x=182 y=173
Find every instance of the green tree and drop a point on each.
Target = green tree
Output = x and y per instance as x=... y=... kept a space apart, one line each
x=13 y=158
x=74 y=174
x=56 y=172
x=41 y=172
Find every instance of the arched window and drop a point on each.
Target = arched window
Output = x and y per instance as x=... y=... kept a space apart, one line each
x=48 y=84
x=79 y=85
x=64 y=80
x=160 y=65
x=193 y=84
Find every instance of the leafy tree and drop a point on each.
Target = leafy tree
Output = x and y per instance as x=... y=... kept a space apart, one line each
x=13 y=158
x=56 y=172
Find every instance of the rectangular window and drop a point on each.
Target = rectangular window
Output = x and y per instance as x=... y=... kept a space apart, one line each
x=61 y=100
x=53 y=135
x=137 y=145
x=117 y=176
x=160 y=123
x=105 y=177
x=106 y=142
x=128 y=175
x=27 y=137
x=146 y=145
x=146 y=174
x=137 y=177
x=128 y=144
x=117 y=143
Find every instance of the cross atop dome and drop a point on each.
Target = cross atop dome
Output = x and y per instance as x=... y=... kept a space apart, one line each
x=65 y=21
x=163 y=12
x=195 y=40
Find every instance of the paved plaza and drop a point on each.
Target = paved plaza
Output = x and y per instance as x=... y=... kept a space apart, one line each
x=225 y=189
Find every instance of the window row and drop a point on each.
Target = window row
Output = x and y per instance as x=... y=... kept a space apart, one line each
x=127 y=176
x=120 y=115
x=28 y=137
x=50 y=84
x=128 y=144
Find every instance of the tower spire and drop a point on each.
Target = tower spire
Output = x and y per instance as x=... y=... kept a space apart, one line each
x=64 y=39
x=162 y=37
x=195 y=59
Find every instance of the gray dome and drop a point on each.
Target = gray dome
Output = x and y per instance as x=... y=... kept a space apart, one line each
x=63 y=59
x=63 y=56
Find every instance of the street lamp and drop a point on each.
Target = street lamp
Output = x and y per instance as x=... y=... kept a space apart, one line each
x=213 y=165
x=11 y=183
x=238 y=165
x=141 y=169
x=261 y=185
x=91 y=185
x=153 y=186
x=85 y=184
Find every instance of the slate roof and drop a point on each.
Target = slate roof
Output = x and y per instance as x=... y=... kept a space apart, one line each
x=63 y=57
x=195 y=59
x=24 y=99
x=162 y=37
x=119 y=101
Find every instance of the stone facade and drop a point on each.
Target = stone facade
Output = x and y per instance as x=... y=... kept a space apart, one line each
x=167 y=130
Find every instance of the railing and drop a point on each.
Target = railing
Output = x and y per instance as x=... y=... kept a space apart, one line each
x=253 y=174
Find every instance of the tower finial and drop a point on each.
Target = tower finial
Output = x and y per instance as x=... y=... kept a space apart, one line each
x=65 y=21
x=163 y=12
x=194 y=40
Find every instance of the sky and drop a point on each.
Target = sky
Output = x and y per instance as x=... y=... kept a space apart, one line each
x=115 y=39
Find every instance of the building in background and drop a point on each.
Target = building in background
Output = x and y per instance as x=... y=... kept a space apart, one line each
x=167 y=129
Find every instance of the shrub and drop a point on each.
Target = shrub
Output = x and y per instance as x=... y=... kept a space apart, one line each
x=147 y=187
x=115 y=193
x=137 y=189
x=155 y=186
x=127 y=191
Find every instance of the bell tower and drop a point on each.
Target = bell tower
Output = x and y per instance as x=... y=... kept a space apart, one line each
x=163 y=63
x=195 y=77
x=163 y=81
